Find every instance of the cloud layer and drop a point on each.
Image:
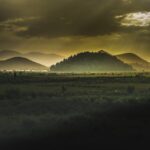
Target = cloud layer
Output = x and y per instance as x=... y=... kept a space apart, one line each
x=74 y=22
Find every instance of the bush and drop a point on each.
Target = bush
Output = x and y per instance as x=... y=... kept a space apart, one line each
x=63 y=89
x=130 y=89
x=13 y=93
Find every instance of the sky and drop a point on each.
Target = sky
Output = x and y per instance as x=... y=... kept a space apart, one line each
x=67 y=27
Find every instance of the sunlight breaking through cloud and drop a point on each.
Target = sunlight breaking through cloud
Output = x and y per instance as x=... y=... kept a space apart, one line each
x=139 y=19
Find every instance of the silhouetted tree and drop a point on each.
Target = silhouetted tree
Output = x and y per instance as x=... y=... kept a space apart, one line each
x=63 y=88
x=14 y=75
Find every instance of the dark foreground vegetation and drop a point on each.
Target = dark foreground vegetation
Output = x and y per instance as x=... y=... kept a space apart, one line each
x=67 y=111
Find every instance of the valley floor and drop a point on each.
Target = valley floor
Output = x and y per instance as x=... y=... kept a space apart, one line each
x=39 y=110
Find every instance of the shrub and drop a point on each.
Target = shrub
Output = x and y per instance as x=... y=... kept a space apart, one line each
x=63 y=89
x=130 y=89
x=13 y=93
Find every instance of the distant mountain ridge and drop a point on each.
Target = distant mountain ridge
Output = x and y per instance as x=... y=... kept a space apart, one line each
x=83 y=62
x=39 y=57
x=20 y=64
x=6 y=54
x=43 y=58
x=91 y=62
x=138 y=63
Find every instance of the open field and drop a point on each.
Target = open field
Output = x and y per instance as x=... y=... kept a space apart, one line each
x=42 y=109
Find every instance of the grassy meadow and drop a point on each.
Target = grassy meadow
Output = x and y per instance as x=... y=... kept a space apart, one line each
x=80 y=109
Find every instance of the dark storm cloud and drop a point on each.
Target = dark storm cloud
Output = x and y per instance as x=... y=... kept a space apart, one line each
x=67 y=17
x=60 y=18
x=75 y=18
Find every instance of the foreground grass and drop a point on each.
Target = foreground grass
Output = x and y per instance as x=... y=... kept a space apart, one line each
x=97 y=109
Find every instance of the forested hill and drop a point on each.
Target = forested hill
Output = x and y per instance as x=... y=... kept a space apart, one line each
x=91 y=62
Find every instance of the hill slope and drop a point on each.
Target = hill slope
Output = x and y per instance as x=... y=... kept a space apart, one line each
x=91 y=62
x=20 y=63
x=42 y=58
x=135 y=61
